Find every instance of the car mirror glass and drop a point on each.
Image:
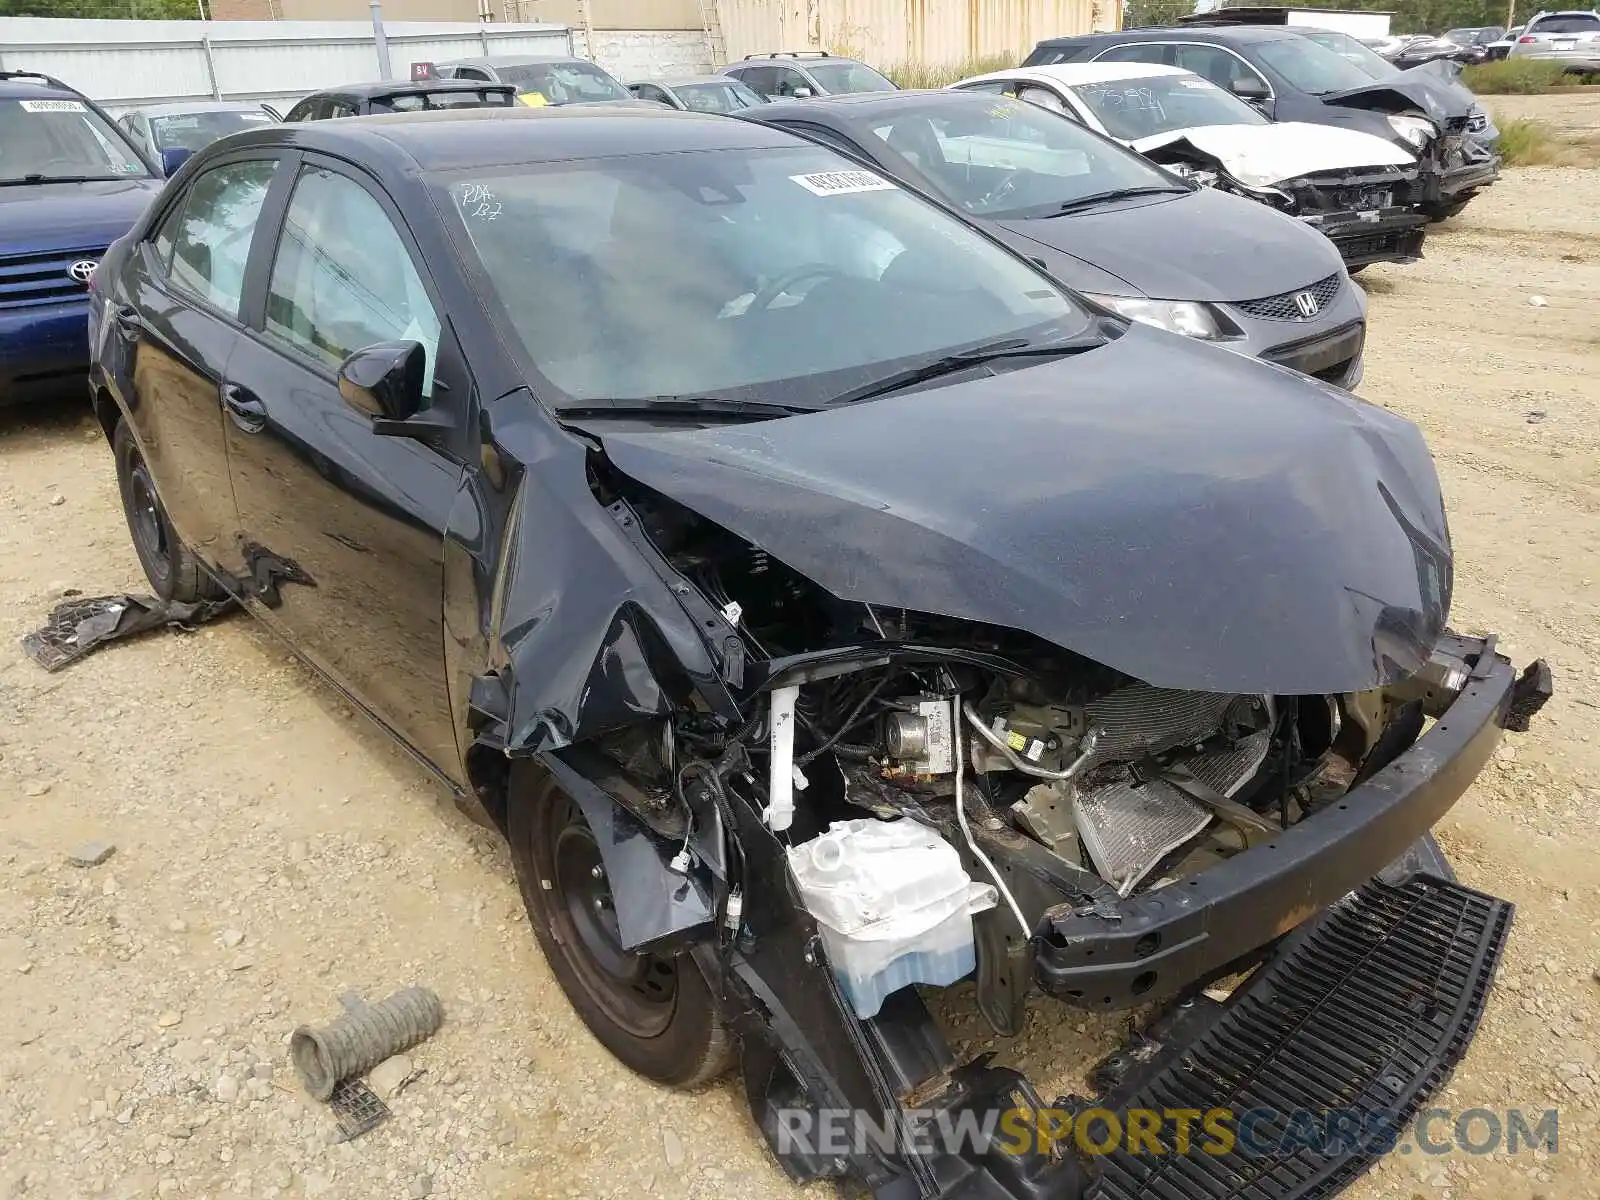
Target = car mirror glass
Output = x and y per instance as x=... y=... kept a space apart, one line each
x=1252 y=90
x=385 y=381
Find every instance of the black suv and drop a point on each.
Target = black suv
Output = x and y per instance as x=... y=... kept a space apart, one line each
x=1294 y=76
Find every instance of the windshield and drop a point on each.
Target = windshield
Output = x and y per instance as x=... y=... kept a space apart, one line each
x=563 y=82
x=839 y=77
x=41 y=140
x=195 y=131
x=1312 y=67
x=784 y=275
x=1131 y=109
x=1364 y=58
x=429 y=101
x=997 y=157
x=724 y=96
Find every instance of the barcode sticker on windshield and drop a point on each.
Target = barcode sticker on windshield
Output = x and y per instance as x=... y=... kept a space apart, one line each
x=51 y=105
x=842 y=183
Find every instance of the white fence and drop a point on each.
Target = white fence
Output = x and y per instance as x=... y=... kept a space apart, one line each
x=124 y=64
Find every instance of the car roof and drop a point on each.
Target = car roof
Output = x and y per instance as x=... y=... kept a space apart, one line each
x=463 y=138
x=23 y=86
x=673 y=81
x=512 y=60
x=790 y=56
x=848 y=106
x=183 y=107
x=403 y=87
x=1072 y=74
x=1221 y=32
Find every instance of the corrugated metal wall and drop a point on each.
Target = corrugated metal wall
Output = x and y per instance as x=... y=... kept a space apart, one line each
x=126 y=63
x=887 y=32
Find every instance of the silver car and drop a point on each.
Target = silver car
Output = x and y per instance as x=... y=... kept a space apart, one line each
x=1569 y=38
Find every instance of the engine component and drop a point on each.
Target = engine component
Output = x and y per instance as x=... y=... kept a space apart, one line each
x=1046 y=812
x=919 y=739
x=781 y=774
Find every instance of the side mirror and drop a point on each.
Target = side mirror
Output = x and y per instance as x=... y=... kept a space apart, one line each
x=172 y=158
x=803 y=93
x=384 y=381
x=1249 y=89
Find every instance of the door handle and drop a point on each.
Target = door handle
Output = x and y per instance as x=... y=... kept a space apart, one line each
x=129 y=325
x=246 y=411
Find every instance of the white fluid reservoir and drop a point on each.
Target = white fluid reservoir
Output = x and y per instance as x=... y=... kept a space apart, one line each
x=893 y=904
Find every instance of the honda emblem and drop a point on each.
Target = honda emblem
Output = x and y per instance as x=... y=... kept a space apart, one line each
x=82 y=270
x=1306 y=303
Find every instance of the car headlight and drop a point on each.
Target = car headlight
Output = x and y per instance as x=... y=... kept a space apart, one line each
x=1418 y=131
x=1175 y=316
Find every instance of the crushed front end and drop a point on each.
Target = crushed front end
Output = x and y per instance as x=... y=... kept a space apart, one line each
x=1372 y=214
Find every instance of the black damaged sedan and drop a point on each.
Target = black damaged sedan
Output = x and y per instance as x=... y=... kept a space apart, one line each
x=823 y=602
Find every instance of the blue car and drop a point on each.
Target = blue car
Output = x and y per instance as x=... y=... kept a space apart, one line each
x=70 y=185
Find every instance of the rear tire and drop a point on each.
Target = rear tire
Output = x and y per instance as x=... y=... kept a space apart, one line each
x=174 y=572
x=656 y=1014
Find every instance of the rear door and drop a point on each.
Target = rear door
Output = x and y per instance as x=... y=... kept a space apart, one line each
x=177 y=315
x=344 y=528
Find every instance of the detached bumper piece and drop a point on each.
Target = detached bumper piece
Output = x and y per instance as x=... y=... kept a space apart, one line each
x=1352 y=1025
x=1394 y=237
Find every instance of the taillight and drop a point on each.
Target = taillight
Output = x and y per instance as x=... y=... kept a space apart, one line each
x=1524 y=40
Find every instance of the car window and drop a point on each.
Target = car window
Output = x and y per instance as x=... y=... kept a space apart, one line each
x=470 y=73
x=340 y=108
x=723 y=96
x=786 y=271
x=992 y=87
x=786 y=81
x=1311 y=67
x=647 y=91
x=1216 y=64
x=1145 y=52
x=1004 y=158
x=762 y=80
x=1131 y=109
x=195 y=131
x=563 y=81
x=1567 y=23
x=342 y=278
x=1042 y=97
x=47 y=139
x=838 y=78
x=1356 y=53
x=211 y=233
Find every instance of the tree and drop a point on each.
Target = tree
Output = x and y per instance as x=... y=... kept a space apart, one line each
x=171 y=10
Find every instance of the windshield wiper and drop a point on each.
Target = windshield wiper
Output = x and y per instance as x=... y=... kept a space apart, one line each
x=24 y=179
x=656 y=406
x=951 y=363
x=1095 y=198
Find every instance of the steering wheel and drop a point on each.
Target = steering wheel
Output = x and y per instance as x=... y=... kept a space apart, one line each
x=816 y=270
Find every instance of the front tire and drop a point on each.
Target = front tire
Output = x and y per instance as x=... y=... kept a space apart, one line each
x=655 y=1013
x=174 y=572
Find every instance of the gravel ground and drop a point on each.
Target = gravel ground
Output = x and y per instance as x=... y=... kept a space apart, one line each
x=273 y=851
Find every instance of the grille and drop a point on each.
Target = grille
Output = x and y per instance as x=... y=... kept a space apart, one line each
x=1284 y=308
x=29 y=279
x=1364 y=1013
x=1477 y=122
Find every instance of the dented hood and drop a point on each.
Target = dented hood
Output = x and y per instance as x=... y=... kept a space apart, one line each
x=1435 y=88
x=1161 y=506
x=1261 y=155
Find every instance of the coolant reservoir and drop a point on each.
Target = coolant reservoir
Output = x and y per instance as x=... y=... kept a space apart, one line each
x=893 y=904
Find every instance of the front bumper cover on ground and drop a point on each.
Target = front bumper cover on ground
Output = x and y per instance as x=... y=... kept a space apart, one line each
x=1391 y=235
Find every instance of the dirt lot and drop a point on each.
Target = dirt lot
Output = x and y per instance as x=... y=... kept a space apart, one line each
x=272 y=850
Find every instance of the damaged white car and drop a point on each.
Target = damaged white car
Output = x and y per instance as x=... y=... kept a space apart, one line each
x=1357 y=189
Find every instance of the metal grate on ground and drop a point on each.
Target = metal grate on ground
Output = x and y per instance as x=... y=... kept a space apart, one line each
x=1366 y=1012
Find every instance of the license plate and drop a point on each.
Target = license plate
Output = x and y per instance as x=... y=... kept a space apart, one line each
x=1566 y=44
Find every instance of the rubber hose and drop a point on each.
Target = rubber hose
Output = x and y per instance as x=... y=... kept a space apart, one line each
x=362 y=1038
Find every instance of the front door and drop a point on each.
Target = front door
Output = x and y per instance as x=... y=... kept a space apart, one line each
x=187 y=283
x=343 y=529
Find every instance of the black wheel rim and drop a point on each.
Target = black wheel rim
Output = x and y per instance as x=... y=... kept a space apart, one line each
x=149 y=529
x=639 y=992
